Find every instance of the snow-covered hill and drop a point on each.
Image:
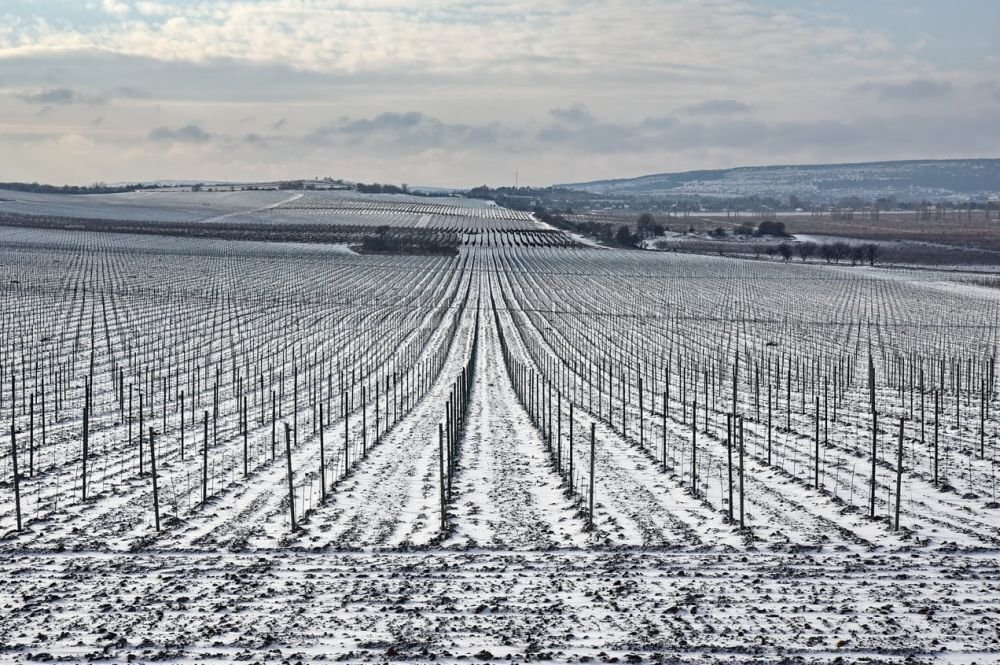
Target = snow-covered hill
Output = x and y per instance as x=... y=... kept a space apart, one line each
x=958 y=179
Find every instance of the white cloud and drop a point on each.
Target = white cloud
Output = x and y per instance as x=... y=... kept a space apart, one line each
x=453 y=36
x=115 y=7
x=451 y=91
x=154 y=8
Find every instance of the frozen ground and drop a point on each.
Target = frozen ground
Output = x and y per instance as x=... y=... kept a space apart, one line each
x=444 y=606
x=261 y=335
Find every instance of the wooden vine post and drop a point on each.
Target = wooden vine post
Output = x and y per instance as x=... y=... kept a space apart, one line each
x=441 y=483
x=291 y=486
x=152 y=468
x=593 y=450
x=13 y=452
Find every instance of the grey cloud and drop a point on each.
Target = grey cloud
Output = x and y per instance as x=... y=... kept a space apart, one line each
x=992 y=88
x=68 y=96
x=658 y=123
x=598 y=137
x=717 y=107
x=410 y=130
x=215 y=80
x=575 y=114
x=258 y=141
x=868 y=136
x=59 y=96
x=875 y=137
x=735 y=133
x=578 y=133
x=652 y=134
x=916 y=89
x=187 y=134
x=384 y=122
x=126 y=92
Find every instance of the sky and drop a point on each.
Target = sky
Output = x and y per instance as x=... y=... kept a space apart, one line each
x=458 y=93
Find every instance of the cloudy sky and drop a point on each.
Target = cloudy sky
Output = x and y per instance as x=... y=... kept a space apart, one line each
x=465 y=92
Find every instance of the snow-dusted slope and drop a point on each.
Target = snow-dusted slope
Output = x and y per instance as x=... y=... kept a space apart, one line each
x=957 y=179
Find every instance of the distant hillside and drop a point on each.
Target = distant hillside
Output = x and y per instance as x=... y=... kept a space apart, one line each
x=953 y=179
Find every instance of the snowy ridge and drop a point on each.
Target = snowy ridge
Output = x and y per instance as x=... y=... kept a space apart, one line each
x=959 y=179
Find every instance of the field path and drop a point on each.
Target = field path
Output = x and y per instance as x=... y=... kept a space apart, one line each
x=506 y=492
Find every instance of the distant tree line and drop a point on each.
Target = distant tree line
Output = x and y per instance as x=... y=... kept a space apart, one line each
x=379 y=188
x=831 y=252
x=306 y=185
x=96 y=188
x=292 y=184
x=767 y=228
x=646 y=226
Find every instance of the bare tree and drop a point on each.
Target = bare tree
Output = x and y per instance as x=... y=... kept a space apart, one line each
x=826 y=250
x=840 y=251
x=805 y=250
x=857 y=254
x=644 y=223
x=834 y=251
x=871 y=252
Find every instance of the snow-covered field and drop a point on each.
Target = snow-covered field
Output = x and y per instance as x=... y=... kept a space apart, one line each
x=267 y=531
x=275 y=207
x=151 y=206
x=483 y=606
x=450 y=214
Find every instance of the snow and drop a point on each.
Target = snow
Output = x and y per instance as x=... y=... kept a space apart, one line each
x=367 y=575
x=473 y=607
x=153 y=206
x=507 y=494
x=904 y=180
